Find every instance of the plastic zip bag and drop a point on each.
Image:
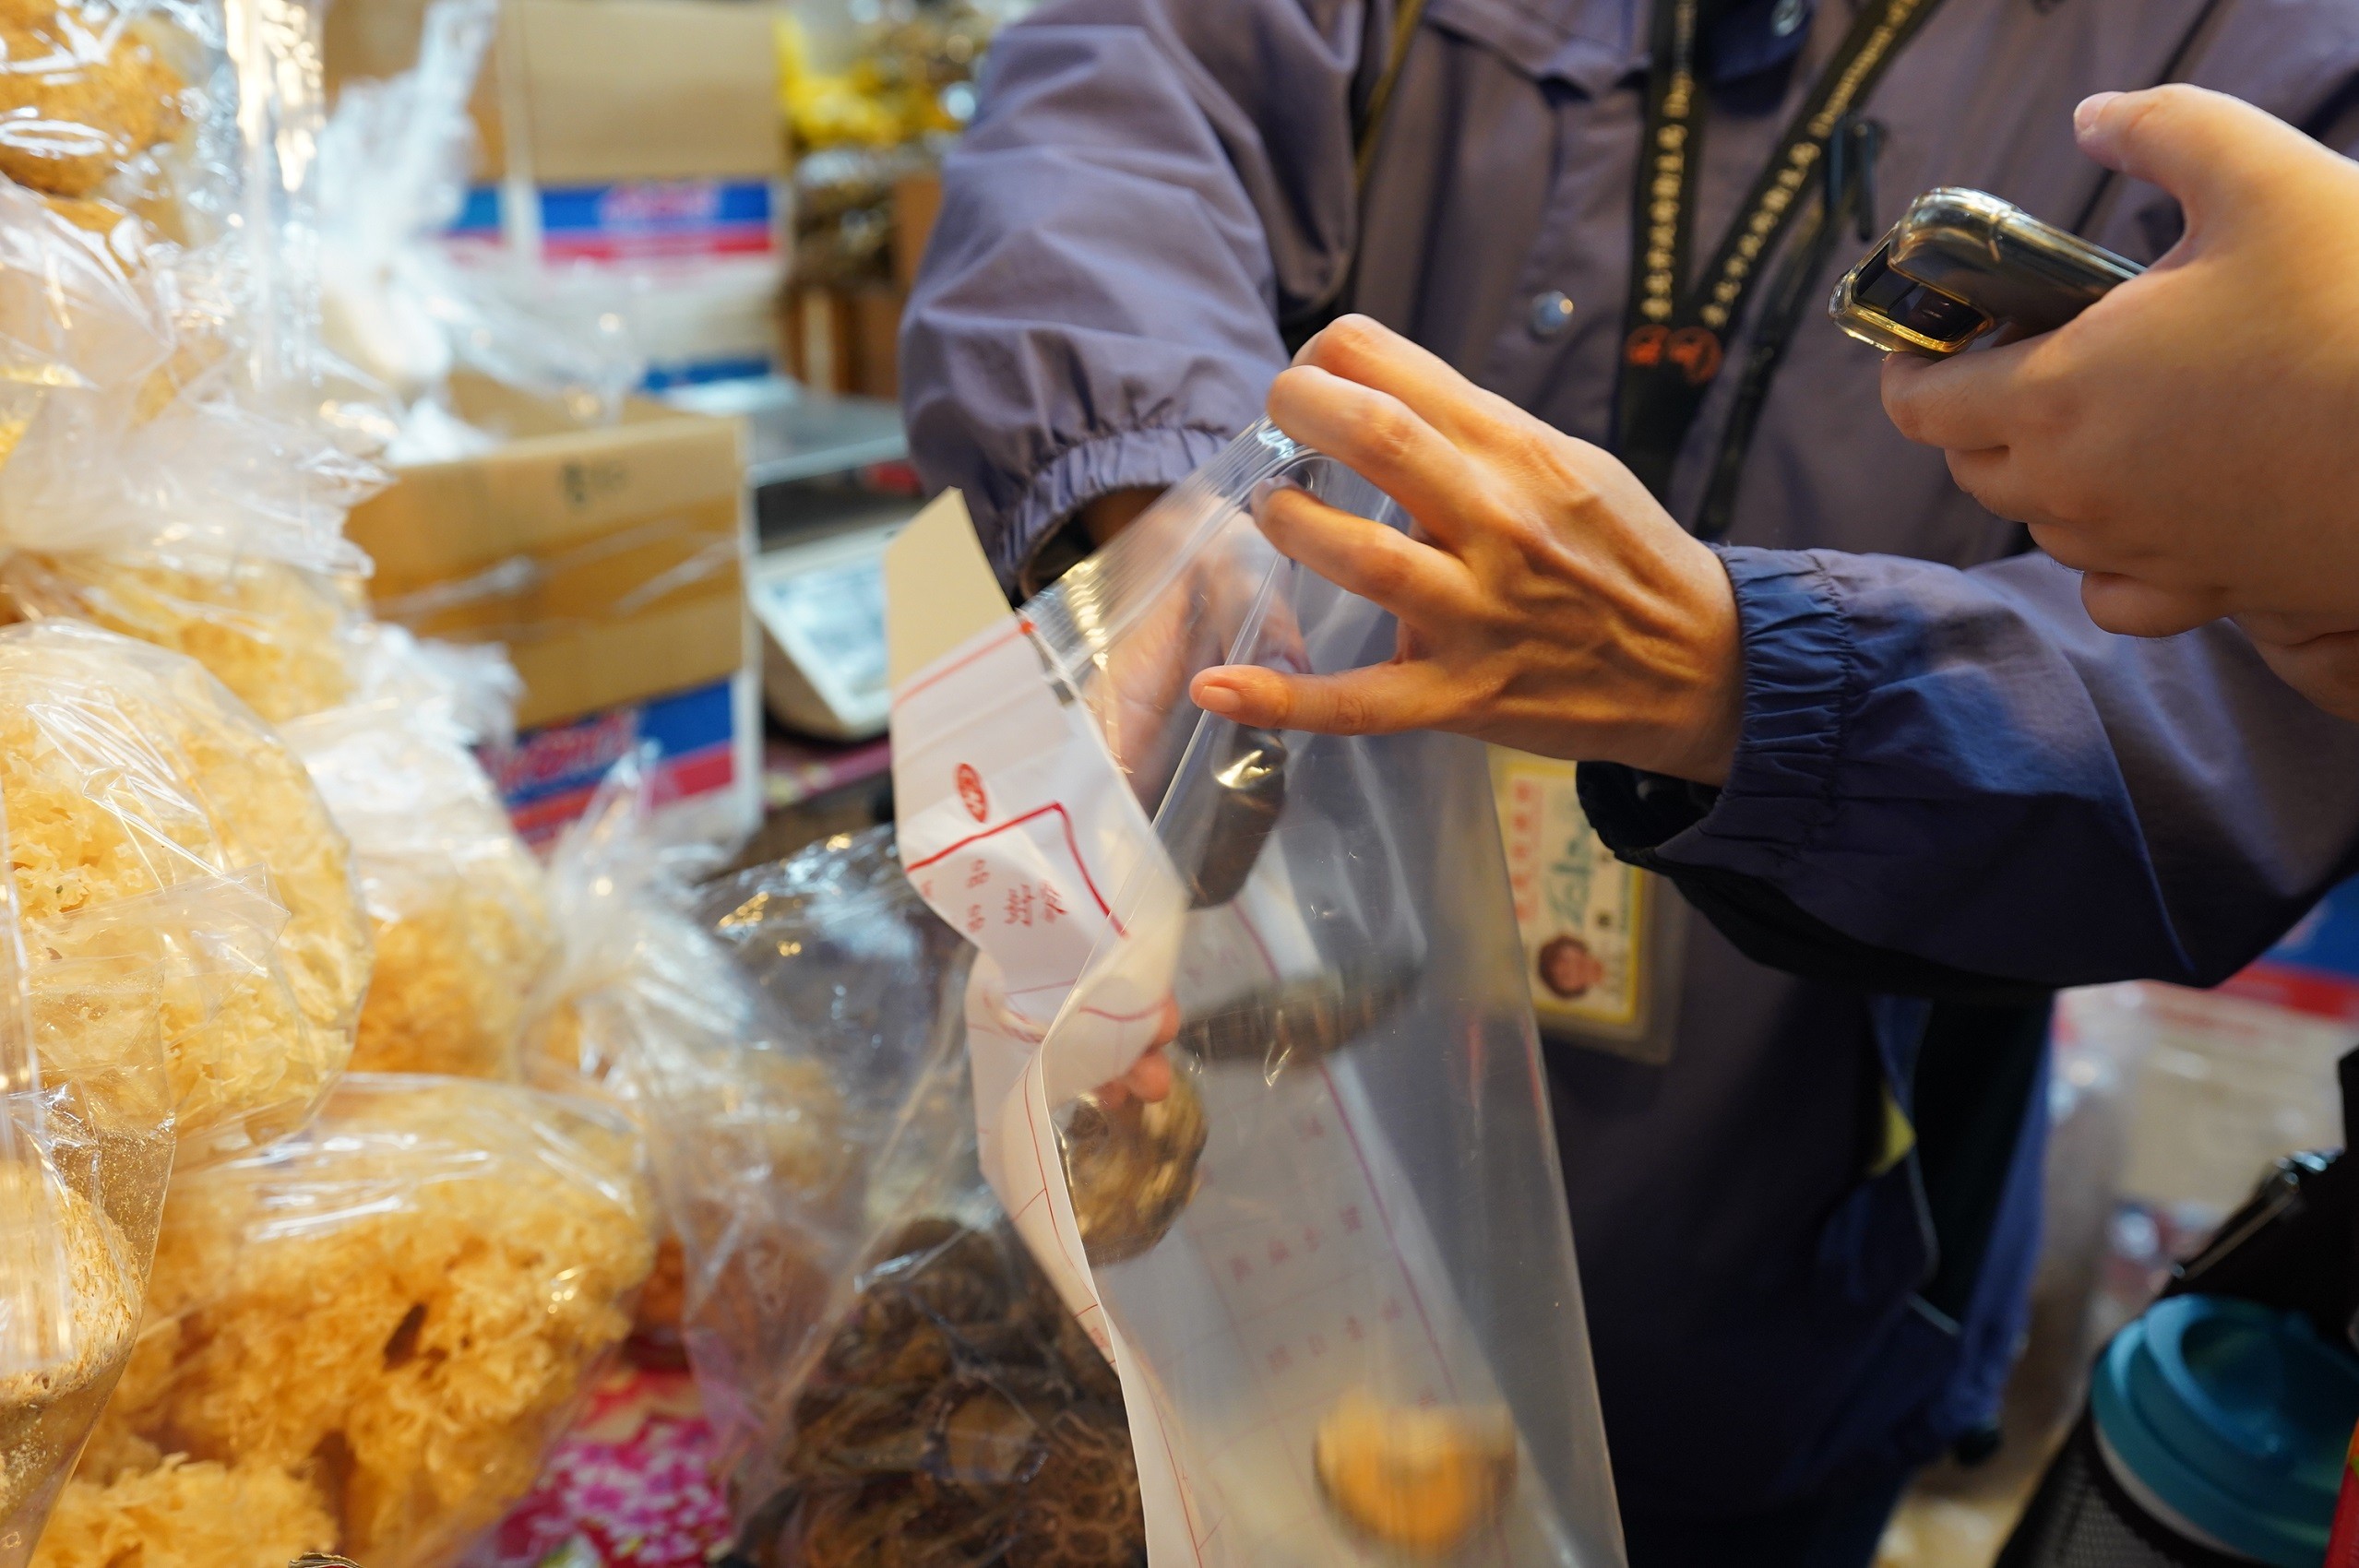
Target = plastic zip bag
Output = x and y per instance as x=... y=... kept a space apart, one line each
x=364 y=1337
x=1333 y=1267
x=151 y=815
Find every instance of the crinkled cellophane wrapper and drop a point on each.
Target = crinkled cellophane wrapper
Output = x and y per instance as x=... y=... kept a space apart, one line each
x=46 y=1411
x=457 y=901
x=376 y=1329
x=128 y=773
x=84 y=1185
x=81 y=95
x=457 y=946
x=277 y=634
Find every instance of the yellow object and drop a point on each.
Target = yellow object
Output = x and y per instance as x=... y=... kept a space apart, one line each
x=862 y=107
x=454 y=899
x=398 y=1307
x=81 y=94
x=1423 y=1481
x=148 y=813
x=271 y=632
x=185 y=1515
x=45 y=1411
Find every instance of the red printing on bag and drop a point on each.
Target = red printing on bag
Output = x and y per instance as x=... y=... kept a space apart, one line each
x=2342 y=1546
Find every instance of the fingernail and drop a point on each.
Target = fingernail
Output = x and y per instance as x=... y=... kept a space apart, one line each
x=1223 y=700
x=2084 y=116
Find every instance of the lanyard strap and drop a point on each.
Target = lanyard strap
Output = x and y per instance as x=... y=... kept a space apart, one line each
x=1674 y=343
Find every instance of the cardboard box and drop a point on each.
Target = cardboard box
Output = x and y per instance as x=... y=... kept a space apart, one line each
x=611 y=561
x=597 y=91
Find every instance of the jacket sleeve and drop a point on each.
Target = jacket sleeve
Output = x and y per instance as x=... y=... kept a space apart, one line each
x=1947 y=775
x=1147 y=186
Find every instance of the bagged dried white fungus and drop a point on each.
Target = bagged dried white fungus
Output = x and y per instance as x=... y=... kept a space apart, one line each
x=128 y=774
x=455 y=899
x=45 y=1411
x=390 y=1314
x=277 y=634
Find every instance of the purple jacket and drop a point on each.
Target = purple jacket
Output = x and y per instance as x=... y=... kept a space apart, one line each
x=1150 y=184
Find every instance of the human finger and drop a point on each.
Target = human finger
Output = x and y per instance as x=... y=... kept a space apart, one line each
x=2204 y=148
x=1363 y=351
x=1379 y=699
x=1993 y=477
x=1965 y=403
x=2138 y=609
x=2325 y=670
x=1149 y=1077
x=1383 y=566
x=1376 y=435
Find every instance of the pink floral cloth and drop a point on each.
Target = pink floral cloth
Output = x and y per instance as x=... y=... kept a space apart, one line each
x=630 y=1485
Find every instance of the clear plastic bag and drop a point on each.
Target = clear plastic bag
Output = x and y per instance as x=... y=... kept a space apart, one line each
x=1333 y=1266
x=178 y=460
x=929 y=1398
x=86 y=97
x=458 y=906
x=85 y=1147
x=839 y=945
x=395 y=162
x=274 y=634
x=363 y=1339
x=151 y=813
x=752 y=1155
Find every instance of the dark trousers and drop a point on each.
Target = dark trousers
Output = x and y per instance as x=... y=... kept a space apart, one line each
x=1836 y=1529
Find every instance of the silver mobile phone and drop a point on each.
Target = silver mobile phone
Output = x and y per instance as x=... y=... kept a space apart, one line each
x=1961 y=263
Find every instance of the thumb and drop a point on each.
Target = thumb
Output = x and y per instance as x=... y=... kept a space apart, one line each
x=2206 y=148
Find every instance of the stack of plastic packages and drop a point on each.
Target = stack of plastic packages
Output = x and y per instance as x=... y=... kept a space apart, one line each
x=242 y=829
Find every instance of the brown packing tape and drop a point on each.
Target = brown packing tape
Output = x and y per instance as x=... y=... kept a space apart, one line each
x=532 y=595
x=610 y=560
x=675 y=648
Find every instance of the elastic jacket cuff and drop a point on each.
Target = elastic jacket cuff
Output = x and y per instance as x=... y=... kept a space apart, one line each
x=1802 y=677
x=1151 y=458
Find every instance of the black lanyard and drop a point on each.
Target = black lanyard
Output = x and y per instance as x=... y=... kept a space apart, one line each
x=1674 y=343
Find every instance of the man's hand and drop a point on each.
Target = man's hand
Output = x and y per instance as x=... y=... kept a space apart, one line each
x=1545 y=600
x=2188 y=441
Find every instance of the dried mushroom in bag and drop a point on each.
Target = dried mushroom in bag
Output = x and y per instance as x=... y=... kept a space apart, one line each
x=395 y=1311
x=82 y=92
x=85 y=1147
x=958 y=1416
x=457 y=905
x=276 y=633
x=140 y=793
x=1131 y=1164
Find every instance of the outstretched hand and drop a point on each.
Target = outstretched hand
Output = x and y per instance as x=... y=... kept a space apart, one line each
x=1545 y=600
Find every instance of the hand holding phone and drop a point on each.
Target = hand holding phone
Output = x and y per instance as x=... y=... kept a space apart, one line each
x=2187 y=446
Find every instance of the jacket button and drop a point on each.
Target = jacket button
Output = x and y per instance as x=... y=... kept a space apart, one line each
x=1552 y=314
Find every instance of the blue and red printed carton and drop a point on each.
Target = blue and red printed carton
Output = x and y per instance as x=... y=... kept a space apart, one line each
x=2316 y=968
x=708 y=781
x=664 y=221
